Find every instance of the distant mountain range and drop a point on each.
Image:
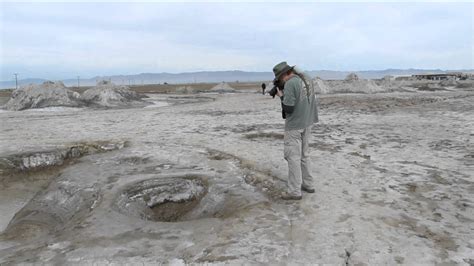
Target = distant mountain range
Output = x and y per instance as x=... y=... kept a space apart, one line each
x=219 y=76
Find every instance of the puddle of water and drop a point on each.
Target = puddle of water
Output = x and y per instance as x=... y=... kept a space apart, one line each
x=54 y=109
x=157 y=104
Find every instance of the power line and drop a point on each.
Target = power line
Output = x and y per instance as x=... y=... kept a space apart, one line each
x=16 y=81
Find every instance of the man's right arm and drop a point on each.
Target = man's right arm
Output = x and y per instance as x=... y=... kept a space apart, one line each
x=289 y=100
x=288 y=109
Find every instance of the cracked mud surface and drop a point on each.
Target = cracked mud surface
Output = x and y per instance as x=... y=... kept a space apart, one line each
x=393 y=172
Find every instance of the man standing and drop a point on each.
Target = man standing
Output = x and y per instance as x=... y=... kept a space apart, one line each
x=263 y=88
x=299 y=106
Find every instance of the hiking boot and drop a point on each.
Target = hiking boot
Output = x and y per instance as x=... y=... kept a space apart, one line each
x=291 y=197
x=308 y=190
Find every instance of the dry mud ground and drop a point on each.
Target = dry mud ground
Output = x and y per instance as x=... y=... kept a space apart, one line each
x=394 y=183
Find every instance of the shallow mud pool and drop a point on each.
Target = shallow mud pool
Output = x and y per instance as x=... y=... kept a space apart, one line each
x=197 y=179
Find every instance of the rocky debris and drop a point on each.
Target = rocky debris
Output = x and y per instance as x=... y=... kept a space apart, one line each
x=50 y=93
x=223 y=87
x=107 y=94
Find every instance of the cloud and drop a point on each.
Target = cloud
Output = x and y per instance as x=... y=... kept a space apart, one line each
x=62 y=40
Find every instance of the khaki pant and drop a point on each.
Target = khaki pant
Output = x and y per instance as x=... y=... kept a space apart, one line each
x=296 y=153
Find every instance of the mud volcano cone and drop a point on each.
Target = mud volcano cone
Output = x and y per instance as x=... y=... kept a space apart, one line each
x=107 y=94
x=48 y=94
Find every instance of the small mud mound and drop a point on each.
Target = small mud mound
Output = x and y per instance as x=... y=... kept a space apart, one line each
x=320 y=86
x=107 y=94
x=45 y=95
x=351 y=84
x=185 y=90
x=161 y=199
x=223 y=88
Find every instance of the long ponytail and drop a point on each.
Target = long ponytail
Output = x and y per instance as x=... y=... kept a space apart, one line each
x=304 y=78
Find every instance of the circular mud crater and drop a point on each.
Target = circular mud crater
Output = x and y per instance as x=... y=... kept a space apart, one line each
x=161 y=199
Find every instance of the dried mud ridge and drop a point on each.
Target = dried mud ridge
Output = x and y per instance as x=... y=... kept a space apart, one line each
x=40 y=160
x=271 y=185
x=161 y=199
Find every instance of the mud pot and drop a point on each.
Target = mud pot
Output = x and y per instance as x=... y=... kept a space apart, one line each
x=165 y=200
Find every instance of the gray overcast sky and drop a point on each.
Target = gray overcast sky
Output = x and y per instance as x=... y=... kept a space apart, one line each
x=63 y=40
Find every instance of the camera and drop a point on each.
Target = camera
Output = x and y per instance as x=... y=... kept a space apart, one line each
x=276 y=85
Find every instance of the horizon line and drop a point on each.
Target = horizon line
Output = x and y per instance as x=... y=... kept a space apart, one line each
x=238 y=70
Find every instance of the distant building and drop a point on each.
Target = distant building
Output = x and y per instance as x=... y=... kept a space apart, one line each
x=445 y=76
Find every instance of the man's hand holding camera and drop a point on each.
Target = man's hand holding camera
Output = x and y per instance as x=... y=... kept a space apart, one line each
x=279 y=92
x=277 y=89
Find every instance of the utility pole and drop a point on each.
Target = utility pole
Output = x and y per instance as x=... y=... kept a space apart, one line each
x=16 y=81
x=78 y=82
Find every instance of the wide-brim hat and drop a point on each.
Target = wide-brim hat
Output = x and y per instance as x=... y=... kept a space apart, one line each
x=281 y=68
